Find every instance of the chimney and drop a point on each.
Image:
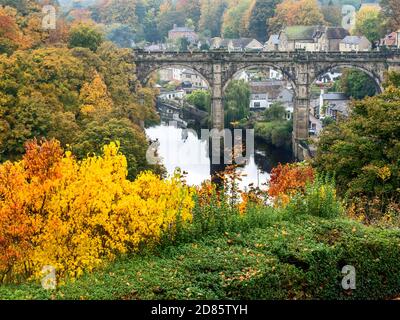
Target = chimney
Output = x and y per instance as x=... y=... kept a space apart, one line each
x=175 y=26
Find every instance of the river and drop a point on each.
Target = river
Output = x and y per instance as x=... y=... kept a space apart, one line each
x=189 y=153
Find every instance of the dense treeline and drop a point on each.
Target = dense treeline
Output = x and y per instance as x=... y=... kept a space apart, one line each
x=150 y=20
x=71 y=85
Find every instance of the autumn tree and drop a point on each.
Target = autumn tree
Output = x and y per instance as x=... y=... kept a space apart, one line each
x=11 y=36
x=362 y=154
x=391 y=14
x=85 y=35
x=95 y=99
x=356 y=84
x=296 y=12
x=233 y=23
x=211 y=19
x=256 y=19
x=332 y=14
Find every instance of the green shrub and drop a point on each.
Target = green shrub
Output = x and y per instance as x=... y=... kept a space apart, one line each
x=297 y=258
x=319 y=199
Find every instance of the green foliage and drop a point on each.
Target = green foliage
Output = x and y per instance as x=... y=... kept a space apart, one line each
x=369 y=23
x=233 y=24
x=85 y=36
x=300 y=258
x=278 y=132
x=40 y=96
x=357 y=84
x=319 y=199
x=275 y=112
x=362 y=152
x=236 y=101
x=183 y=44
x=257 y=18
x=327 y=121
x=332 y=15
x=201 y=99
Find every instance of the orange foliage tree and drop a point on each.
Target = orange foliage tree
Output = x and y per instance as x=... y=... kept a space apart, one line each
x=288 y=179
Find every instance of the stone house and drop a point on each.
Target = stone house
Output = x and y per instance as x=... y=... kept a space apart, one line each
x=241 y=44
x=183 y=32
x=311 y=38
x=355 y=43
x=272 y=43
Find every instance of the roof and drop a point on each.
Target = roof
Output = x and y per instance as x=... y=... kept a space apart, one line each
x=335 y=96
x=311 y=32
x=258 y=96
x=236 y=43
x=353 y=39
x=299 y=32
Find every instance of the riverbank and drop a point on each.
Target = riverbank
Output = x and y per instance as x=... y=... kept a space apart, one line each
x=268 y=255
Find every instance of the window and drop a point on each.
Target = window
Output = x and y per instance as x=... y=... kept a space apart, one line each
x=257 y=104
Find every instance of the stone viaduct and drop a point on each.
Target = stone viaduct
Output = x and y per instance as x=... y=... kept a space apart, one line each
x=300 y=68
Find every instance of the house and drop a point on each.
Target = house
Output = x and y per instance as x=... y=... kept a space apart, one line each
x=311 y=38
x=171 y=95
x=259 y=101
x=392 y=40
x=355 y=43
x=170 y=74
x=155 y=47
x=272 y=44
x=328 y=78
x=192 y=77
x=241 y=44
x=334 y=105
x=265 y=93
x=183 y=32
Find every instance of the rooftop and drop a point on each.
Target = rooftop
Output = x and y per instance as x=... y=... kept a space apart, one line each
x=335 y=96
x=311 y=32
x=353 y=39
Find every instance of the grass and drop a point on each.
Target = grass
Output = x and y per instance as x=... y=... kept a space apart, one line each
x=273 y=256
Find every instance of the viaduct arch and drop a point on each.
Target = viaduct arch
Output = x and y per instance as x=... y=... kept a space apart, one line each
x=300 y=68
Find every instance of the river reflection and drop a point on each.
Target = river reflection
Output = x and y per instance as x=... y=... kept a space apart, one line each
x=190 y=154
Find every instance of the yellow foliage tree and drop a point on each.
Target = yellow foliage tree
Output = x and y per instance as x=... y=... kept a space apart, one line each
x=95 y=99
x=76 y=215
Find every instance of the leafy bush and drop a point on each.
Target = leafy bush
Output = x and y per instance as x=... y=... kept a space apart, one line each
x=287 y=180
x=75 y=215
x=363 y=154
x=300 y=258
x=318 y=199
x=277 y=132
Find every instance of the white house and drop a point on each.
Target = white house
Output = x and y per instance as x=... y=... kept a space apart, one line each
x=194 y=78
x=259 y=101
x=355 y=43
x=172 y=95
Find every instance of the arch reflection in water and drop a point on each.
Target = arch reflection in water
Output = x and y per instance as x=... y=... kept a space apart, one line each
x=190 y=154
